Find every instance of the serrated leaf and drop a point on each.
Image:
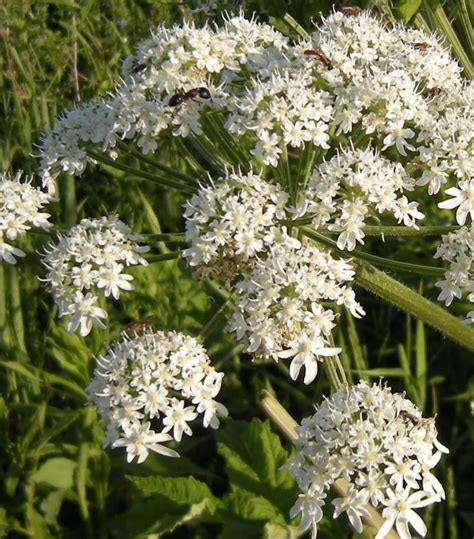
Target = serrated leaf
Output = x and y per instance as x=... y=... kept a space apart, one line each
x=253 y=458
x=243 y=514
x=405 y=9
x=57 y=472
x=178 y=489
x=169 y=503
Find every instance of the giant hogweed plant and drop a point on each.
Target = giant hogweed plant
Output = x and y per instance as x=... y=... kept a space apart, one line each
x=296 y=154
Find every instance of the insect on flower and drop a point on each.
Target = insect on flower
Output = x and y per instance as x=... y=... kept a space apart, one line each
x=319 y=55
x=181 y=97
x=421 y=46
x=349 y=10
x=138 y=326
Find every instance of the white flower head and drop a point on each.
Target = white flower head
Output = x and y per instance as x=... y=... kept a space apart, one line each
x=457 y=248
x=230 y=221
x=147 y=388
x=379 y=443
x=88 y=261
x=20 y=205
x=281 y=309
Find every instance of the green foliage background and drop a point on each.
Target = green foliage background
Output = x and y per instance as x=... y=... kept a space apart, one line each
x=55 y=480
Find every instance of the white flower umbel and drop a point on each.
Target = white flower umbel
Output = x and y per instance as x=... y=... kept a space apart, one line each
x=148 y=387
x=20 y=205
x=457 y=248
x=281 y=309
x=86 y=262
x=167 y=84
x=343 y=193
x=379 y=443
x=230 y=222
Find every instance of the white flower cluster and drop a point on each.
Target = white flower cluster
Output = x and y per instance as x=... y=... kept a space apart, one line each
x=166 y=84
x=20 y=205
x=280 y=310
x=384 y=78
x=342 y=190
x=90 y=258
x=378 y=442
x=230 y=222
x=284 y=110
x=457 y=248
x=151 y=384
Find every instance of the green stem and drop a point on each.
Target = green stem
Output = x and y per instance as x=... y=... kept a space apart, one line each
x=68 y=200
x=162 y=257
x=296 y=27
x=5 y=337
x=155 y=178
x=413 y=303
x=398 y=231
x=167 y=237
x=284 y=174
x=377 y=260
x=214 y=321
x=164 y=168
x=15 y=308
x=205 y=151
x=439 y=21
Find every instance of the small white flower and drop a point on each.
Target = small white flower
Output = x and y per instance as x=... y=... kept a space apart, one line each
x=463 y=196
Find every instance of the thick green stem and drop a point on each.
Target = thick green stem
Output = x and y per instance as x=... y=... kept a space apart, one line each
x=287 y=425
x=413 y=303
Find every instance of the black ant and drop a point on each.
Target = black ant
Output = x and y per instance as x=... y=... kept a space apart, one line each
x=180 y=97
x=319 y=54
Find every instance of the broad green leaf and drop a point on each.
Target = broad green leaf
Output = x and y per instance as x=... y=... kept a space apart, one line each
x=57 y=472
x=253 y=458
x=243 y=514
x=170 y=502
x=405 y=9
x=278 y=531
x=177 y=489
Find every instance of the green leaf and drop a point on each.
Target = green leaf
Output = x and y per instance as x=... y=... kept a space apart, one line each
x=169 y=503
x=178 y=489
x=57 y=472
x=278 y=531
x=243 y=514
x=253 y=458
x=405 y=9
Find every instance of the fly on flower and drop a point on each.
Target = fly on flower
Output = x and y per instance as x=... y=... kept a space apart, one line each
x=138 y=326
